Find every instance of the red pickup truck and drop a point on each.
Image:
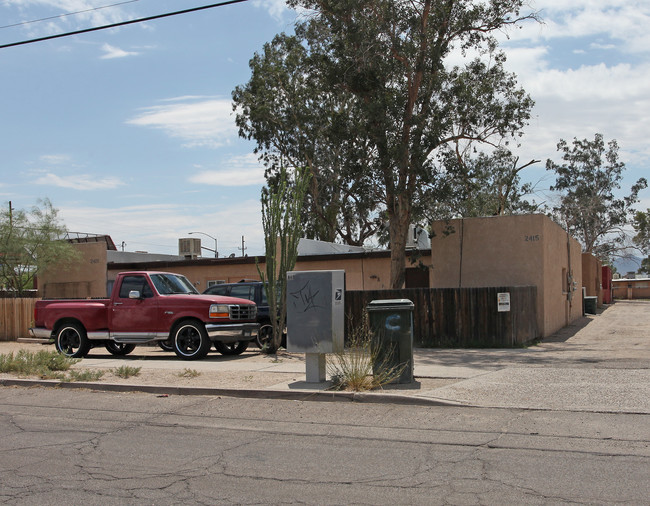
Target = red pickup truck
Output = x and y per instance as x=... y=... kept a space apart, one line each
x=148 y=307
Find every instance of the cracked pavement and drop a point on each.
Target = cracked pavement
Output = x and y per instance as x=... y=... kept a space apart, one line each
x=83 y=447
x=565 y=422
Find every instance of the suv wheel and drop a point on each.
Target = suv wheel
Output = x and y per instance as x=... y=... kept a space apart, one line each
x=119 y=349
x=264 y=335
x=236 y=348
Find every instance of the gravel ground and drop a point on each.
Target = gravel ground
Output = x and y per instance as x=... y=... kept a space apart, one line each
x=194 y=374
x=215 y=371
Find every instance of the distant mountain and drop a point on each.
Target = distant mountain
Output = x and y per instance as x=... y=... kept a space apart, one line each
x=625 y=265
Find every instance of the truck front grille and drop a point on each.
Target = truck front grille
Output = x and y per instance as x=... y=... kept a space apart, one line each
x=244 y=312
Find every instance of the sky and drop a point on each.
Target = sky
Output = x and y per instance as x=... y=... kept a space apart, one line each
x=130 y=131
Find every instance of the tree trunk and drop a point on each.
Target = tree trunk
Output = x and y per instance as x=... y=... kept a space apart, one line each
x=400 y=217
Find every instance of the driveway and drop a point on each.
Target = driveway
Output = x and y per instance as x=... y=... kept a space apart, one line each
x=600 y=363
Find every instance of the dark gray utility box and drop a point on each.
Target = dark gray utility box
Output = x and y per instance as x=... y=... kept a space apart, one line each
x=590 y=304
x=391 y=323
x=315 y=311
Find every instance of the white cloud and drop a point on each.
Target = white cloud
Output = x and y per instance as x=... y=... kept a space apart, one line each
x=622 y=21
x=527 y=62
x=198 y=121
x=111 y=52
x=597 y=45
x=240 y=171
x=57 y=159
x=79 y=182
x=591 y=82
x=86 y=13
x=276 y=8
x=158 y=227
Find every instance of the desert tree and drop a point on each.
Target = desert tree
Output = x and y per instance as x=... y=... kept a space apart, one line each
x=30 y=242
x=297 y=121
x=642 y=238
x=587 y=180
x=473 y=184
x=398 y=91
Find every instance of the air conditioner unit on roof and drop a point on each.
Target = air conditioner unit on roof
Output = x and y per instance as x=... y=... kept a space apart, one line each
x=189 y=247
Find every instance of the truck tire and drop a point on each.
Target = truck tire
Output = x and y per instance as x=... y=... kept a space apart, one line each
x=119 y=349
x=190 y=340
x=71 y=340
x=236 y=348
x=264 y=335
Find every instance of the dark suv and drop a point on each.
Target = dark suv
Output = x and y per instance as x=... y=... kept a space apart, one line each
x=251 y=290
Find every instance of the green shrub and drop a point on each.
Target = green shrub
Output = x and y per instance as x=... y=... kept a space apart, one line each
x=188 y=373
x=126 y=372
x=363 y=365
x=42 y=363
x=55 y=361
x=85 y=375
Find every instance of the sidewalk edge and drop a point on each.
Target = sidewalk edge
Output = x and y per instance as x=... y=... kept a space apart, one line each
x=309 y=395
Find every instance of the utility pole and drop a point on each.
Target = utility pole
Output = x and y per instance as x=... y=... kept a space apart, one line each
x=243 y=248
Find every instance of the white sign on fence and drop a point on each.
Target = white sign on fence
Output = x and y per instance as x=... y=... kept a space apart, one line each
x=503 y=302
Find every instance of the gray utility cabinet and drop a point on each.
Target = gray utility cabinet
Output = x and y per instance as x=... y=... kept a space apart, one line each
x=315 y=311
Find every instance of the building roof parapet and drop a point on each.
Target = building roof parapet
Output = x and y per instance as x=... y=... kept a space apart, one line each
x=181 y=262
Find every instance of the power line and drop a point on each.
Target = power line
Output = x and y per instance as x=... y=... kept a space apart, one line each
x=22 y=23
x=123 y=23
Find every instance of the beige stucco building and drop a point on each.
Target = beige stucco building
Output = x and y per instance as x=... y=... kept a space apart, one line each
x=99 y=265
x=592 y=276
x=637 y=288
x=528 y=250
x=503 y=251
x=363 y=271
x=86 y=278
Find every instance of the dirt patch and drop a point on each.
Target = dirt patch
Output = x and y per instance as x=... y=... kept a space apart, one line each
x=209 y=379
x=190 y=374
x=212 y=372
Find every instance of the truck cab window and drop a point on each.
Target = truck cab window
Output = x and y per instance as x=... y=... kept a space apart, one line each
x=139 y=283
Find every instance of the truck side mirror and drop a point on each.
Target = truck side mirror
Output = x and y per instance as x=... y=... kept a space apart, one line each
x=134 y=294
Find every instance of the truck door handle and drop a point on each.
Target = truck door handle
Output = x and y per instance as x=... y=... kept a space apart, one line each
x=117 y=303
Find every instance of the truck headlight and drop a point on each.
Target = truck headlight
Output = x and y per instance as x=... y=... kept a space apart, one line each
x=219 y=311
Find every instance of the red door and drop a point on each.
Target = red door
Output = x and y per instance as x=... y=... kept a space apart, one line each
x=135 y=317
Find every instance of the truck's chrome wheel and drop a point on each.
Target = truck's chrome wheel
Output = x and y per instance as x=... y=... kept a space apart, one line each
x=191 y=341
x=71 y=341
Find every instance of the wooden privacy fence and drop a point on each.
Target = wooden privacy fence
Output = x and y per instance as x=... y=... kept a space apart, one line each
x=16 y=315
x=459 y=317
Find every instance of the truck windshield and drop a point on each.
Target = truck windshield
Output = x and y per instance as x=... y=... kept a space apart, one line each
x=168 y=284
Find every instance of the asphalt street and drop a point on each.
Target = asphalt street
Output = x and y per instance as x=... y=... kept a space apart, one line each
x=61 y=447
x=563 y=422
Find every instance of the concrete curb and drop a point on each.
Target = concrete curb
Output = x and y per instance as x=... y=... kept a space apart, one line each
x=309 y=395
